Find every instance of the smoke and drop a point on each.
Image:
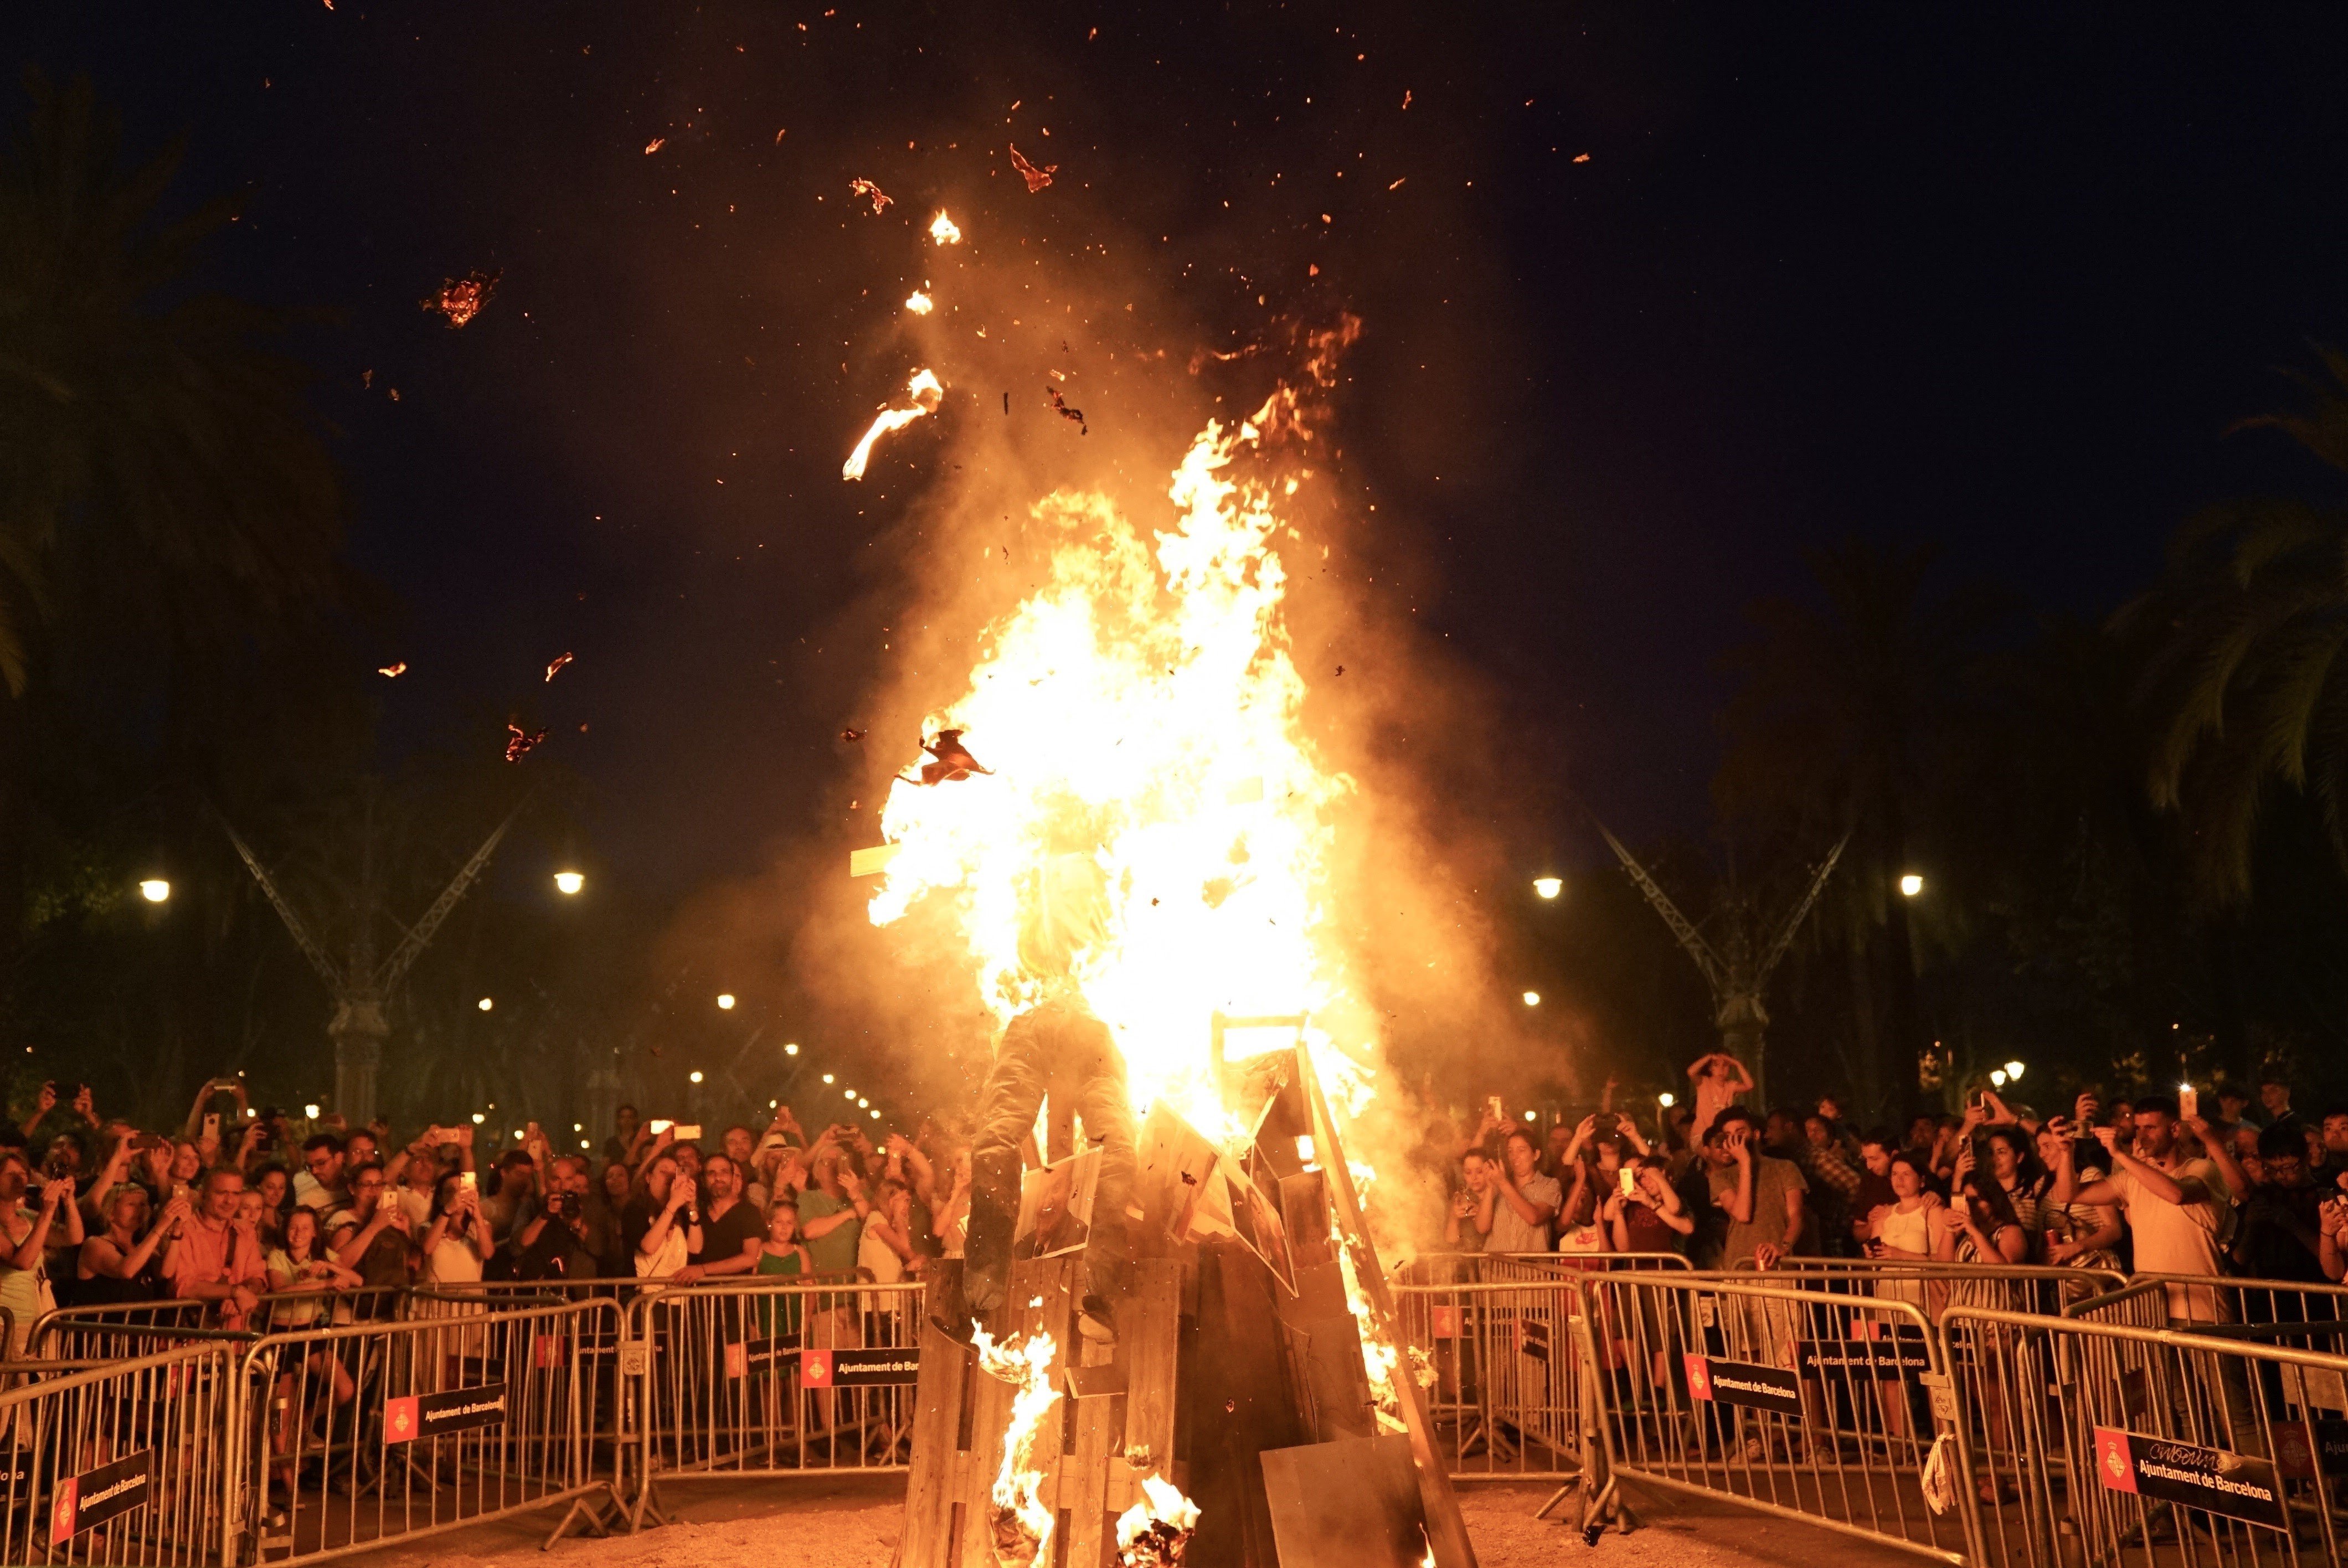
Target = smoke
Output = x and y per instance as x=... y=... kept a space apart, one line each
x=1065 y=376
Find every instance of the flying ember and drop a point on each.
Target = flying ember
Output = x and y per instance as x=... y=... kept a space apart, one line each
x=942 y=230
x=520 y=742
x=1036 y=179
x=926 y=392
x=918 y=302
x=462 y=299
x=866 y=188
x=556 y=665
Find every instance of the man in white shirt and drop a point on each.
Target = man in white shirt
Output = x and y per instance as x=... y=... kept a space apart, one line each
x=2180 y=1204
x=1528 y=1200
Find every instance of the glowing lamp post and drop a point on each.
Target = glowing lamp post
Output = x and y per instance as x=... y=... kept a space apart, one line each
x=1911 y=885
x=1548 y=887
x=155 y=890
x=569 y=882
x=1533 y=998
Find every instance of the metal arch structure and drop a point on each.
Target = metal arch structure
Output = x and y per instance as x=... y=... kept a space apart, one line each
x=1739 y=980
x=360 y=986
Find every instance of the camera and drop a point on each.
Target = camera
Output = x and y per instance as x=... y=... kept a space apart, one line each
x=558 y=1204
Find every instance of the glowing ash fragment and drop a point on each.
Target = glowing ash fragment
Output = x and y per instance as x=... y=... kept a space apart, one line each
x=462 y=299
x=1036 y=179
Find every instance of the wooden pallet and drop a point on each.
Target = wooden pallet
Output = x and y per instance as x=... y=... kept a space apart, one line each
x=1216 y=1363
x=1083 y=1445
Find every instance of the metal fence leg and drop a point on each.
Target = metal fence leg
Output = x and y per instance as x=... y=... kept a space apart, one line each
x=1602 y=1498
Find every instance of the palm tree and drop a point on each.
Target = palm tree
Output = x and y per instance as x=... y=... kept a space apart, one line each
x=2244 y=677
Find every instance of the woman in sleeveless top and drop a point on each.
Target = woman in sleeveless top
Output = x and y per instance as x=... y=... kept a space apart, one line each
x=118 y=1266
x=24 y=1276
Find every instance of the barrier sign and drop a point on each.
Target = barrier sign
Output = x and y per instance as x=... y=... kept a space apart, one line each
x=2299 y=1453
x=2213 y=1479
x=1885 y=1361
x=858 y=1368
x=431 y=1415
x=86 y=1501
x=1745 y=1383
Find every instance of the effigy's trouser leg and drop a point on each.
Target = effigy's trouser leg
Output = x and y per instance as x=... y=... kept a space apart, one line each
x=1007 y=1107
x=1106 y=1108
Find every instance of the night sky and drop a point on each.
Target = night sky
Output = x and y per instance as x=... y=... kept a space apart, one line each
x=1971 y=274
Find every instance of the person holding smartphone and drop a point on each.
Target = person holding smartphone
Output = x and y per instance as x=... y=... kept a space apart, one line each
x=1643 y=1214
x=1468 y=1222
x=2178 y=1200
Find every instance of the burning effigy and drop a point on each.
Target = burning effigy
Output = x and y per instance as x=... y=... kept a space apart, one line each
x=1169 y=1270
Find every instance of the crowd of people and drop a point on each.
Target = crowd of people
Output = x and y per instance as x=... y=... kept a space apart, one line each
x=2148 y=1185
x=241 y=1212
x=238 y=1209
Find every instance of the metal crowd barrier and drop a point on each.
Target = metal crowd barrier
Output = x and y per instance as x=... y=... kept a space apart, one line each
x=2107 y=1443
x=350 y=1436
x=1492 y=1330
x=121 y=1463
x=1823 y=1407
x=95 y=1333
x=1518 y=1267
x=1935 y=1286
x=753 y=1375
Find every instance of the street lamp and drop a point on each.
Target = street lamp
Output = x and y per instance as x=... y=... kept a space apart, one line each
x=827 y=1078
x=695 y=1077
x=1665 y=1099
x=1548 y=887
x=310 y=1111
x=848 y=1095
x=155 y=890
x=485 y=1004
x=1997 y=1077
x=724 y=1001
x=792 y=1049
x=1533 y=998
x=1911 y=885
x=2014 y=1072
x=569 y=882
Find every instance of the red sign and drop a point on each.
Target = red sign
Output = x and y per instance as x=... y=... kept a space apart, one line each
x=1447 y=1323
x=815 y=1368
x=1699 y=1376
x=399 y=1421
x=2114 y=1465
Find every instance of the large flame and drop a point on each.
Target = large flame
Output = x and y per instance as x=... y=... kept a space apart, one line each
x=1022 y=1525
x=1141 y=708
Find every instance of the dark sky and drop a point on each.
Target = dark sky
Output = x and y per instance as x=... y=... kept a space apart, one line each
x=1995 y=277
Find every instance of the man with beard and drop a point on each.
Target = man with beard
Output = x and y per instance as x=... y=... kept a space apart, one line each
x=1057 y=1048
x=732 y=1231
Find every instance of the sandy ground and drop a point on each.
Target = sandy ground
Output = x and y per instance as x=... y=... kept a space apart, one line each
x=852 y=1522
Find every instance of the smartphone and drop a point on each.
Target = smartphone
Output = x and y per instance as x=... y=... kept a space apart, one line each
x=469 y=1180
x=659 y=1126
x=1630 y=1179
x=688 y=1134
x=2189 y=1101
x=211 y=1124
x=1494 y=1102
